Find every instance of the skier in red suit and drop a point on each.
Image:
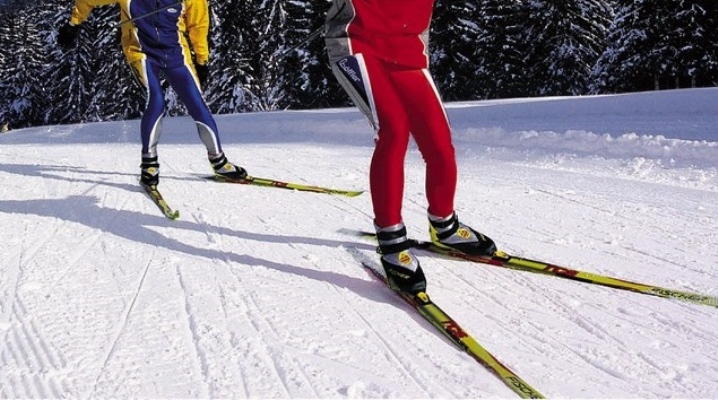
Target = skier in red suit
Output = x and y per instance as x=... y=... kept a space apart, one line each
x=379 y=53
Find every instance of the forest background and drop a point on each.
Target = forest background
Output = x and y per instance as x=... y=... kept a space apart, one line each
x=261 y=59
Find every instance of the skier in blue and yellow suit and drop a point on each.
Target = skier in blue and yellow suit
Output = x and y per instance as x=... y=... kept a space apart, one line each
x=154 y=42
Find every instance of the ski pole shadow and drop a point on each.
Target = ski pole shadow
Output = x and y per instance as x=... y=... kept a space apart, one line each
x=136 y=227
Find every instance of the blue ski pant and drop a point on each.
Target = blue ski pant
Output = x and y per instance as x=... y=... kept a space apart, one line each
x=185 y=83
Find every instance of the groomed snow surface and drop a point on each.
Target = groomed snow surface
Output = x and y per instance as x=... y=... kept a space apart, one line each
x=253 y=294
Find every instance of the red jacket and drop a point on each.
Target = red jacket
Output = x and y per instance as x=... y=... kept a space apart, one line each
x=396 y=31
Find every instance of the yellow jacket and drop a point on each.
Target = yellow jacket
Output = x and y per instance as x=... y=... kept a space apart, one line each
x=160 y=36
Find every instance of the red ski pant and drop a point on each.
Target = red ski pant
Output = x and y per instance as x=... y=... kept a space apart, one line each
x=405 y=103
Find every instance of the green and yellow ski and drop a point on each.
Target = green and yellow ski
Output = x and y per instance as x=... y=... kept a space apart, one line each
x=455 y=333
x=502 y=259
x=157 y=198
x=253 y=180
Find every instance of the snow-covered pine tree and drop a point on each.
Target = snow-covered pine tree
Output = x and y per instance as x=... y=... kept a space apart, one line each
x=454 y=36
x=479 y=50
x=711 y=33
x=270 y=76
x=23 y=87
x=309 y=82
x=685 y=52
x=658 y=44
x=5 y=86
x=115 y=93
x=249 y=33
x=564 y=38
x=72 y=77
x=499 y=55
x=231 y=61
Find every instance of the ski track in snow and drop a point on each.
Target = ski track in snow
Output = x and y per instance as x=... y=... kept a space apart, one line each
x=253 y=292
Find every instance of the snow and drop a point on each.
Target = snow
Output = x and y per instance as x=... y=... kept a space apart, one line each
x=253 y=293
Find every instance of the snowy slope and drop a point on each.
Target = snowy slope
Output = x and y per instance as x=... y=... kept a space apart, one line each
x=252 y=292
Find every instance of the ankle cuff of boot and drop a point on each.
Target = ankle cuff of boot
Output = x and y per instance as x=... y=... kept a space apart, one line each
x=392 y=239
x=218 y=162
x=149 y=162
x=444 y=227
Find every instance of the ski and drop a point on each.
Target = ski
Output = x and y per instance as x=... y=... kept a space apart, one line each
x=502 y=259
x=157 y=198
x=253 y=180
x=455 y=333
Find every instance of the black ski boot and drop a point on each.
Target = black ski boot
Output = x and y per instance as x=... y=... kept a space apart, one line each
x=403 y=272
x=225 y=169
x=150 y=171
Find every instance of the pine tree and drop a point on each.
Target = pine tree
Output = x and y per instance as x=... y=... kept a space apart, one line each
x=685 y=50
x=658 y=44
x=623 y=66
x=5 y=66
x=230 y=59
x=454 y=50
x=116 y=94
x=565 y=38
x=249 y=33
x=499 y=55
x=24 y=87
x=73 y=74
x=480 y=49
x=710 y=34
x=309 y=82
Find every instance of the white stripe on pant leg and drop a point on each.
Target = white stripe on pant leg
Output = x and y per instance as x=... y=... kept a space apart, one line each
x=368 y=109
x=430 y=79
x=209 y=138
x=154 y=138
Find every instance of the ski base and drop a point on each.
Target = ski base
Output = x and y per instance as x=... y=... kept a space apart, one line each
x=455 y=333
x=253 y=180
x=157 y=198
